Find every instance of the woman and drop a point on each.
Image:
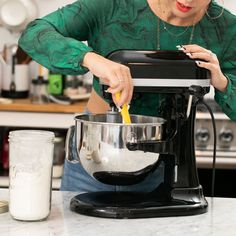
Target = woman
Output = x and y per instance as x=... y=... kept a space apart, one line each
x=203 y=27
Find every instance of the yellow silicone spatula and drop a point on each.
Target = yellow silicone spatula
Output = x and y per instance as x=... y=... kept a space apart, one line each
x=124 y=111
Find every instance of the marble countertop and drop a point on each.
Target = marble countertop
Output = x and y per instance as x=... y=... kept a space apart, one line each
x=219 y=220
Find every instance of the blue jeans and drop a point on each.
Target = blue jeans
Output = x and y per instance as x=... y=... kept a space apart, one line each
x=75 y=178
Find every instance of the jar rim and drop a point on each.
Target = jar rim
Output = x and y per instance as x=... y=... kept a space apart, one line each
x=32 y=135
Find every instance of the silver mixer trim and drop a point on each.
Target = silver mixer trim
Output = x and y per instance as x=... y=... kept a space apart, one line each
x=154 y=82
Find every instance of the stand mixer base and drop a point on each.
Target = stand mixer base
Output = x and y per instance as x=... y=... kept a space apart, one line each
x=137 y=205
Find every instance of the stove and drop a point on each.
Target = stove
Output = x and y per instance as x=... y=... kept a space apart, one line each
x=226 y=138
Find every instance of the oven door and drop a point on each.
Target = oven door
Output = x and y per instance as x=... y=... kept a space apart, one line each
x=225 y=173
x=226 y=141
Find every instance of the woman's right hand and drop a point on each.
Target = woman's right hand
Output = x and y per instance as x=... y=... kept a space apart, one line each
x=113 y=74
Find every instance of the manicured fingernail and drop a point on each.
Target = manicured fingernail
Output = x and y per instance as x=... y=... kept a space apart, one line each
x=181 y=47
x=198 y=62
x=189 y=54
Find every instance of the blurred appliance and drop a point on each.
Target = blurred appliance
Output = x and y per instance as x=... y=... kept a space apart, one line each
x=15 y=81
x=226 y=138
x=40 y=93
x=14 y=76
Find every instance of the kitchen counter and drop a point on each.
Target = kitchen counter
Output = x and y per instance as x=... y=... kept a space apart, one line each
x=26 y=106
x=22 y=113
x=219 y=220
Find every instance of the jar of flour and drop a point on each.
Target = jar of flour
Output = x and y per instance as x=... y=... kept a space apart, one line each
x=31 y=159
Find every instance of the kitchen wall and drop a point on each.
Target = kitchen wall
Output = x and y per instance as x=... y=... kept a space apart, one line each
x=44 y=7
x=47 y=6
x=230 y=4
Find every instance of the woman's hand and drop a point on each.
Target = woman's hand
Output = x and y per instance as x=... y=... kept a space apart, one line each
x=115 y=75
x=218 y=80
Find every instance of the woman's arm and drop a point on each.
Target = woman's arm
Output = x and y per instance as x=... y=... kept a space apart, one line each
x=223 y=75
x=56 y=40
x=227 y=98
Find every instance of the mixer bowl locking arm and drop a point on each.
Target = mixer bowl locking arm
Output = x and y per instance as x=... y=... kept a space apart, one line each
x=162 y=147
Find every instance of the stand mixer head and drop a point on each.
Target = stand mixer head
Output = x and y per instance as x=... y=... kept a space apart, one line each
x=169 y=72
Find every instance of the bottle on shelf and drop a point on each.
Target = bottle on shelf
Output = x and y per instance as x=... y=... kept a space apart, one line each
x=40 y=88
x=56 y=83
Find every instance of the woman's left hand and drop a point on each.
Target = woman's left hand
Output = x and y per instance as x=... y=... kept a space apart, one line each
x=207 y=59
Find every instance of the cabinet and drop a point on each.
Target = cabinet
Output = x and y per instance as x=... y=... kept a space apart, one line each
x=23 y=114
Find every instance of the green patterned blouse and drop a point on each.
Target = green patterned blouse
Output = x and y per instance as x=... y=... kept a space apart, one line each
x=56 y=41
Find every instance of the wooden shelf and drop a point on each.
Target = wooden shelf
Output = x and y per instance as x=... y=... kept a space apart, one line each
x=22 y=113
x=27 y=106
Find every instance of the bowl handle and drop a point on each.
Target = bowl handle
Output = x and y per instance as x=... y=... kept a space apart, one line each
x=70 y=146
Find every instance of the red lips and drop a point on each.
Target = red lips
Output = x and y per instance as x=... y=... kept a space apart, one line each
x=181 y=7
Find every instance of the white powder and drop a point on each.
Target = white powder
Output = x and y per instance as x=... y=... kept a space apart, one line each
x=30 y=193
x=31 y=157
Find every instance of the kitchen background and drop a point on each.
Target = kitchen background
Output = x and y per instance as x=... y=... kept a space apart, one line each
x=78 y=88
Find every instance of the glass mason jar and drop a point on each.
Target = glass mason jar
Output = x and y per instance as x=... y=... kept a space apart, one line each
x=30 y=173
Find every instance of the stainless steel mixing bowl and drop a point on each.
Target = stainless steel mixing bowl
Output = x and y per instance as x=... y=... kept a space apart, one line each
x=101 y=142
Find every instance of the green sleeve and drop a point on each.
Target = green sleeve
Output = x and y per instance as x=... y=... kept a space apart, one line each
x=56 y=40
x=227 y=100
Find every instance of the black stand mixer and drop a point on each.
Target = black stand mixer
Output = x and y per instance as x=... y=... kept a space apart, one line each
x=174 y=74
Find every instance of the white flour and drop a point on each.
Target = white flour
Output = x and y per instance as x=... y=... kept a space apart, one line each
x=31 y=158
x=30 y=193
